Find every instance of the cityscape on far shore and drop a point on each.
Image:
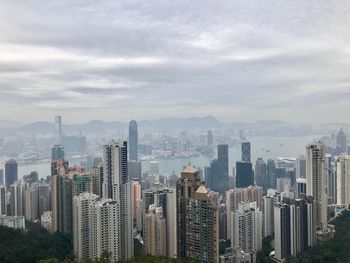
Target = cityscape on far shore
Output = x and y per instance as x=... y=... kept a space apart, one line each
x=114 y=203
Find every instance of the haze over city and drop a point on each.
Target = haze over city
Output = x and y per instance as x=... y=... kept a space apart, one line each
x=122 y=60
x=162 y=131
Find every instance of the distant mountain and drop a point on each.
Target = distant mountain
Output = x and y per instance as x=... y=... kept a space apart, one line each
x=10 y=124
x=183 y=123
x=98 y=126
x=261 y=127
x=41 y=127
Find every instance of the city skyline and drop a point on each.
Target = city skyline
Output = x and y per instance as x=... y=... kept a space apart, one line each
x=155 y=59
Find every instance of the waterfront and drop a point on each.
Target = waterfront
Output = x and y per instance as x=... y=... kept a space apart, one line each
x=265 y=147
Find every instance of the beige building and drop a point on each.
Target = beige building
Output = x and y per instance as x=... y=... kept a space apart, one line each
x=237 y=195
x=343 y=180
x=316 y=181
x=155 y=232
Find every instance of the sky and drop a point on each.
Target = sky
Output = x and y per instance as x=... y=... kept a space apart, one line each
x=237 y=60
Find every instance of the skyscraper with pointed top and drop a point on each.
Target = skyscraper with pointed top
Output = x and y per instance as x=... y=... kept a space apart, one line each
x=133 y=141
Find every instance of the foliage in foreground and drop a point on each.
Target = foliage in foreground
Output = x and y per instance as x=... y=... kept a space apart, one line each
x=32 y=245
x=335 y=250
x=138 y=259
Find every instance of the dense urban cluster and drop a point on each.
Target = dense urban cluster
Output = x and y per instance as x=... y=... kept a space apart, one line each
x=113 y=211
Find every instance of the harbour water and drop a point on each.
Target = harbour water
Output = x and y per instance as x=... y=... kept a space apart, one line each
x=265 y=147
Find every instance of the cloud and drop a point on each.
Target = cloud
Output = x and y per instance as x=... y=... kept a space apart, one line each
x=116 y=60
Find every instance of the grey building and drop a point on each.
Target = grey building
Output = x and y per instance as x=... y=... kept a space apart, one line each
x=11 y=172
x=244 y=174
x=246 y=152
x=133 y=141
x=57 y=152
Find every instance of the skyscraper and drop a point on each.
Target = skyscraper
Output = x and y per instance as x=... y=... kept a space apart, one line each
x=246 y=228
x=210 y=139
x=115 y=171
x=301 y=167
x=294 y=227
x=133 y=141
x=59 y=167
x=97 y=179
x=117 y=186
x=165 y=199
x=238 y=195
x=330 y=179
x=154 y=232
x=11 y=172
x=58 y=130
x=341 y=141
x=244 y=174
x=96 y=229
x=57 y=152
x=343 y=180
x=202 y=226
x=316 y=181
x=2 y=182
x=16 y=199
x=216 y=176
x=186 y=186
x=271 y=174
x=260 y=173
x=246 y=152
x=61 y=203
x=3 y=205
x=135 y=170
x=82 y=224
x=223 y=168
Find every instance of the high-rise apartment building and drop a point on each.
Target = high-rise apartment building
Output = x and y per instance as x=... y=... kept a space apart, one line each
x=117 y=186
x=61 y=203
x=3 y=203
x=97 y=179
x=96 y=229
x=31 y=202
x=237 y=195
x=186 y=186
x=343 y=180
x=294 y=227
x=82 y=224
x=246 y=228
x=154 y=232
x=202 y=226
x=164 y=198
x=316 y=181
x=330 y=179
x=44 y=198
x=2 y=178
x=59 y=167
x=81 y=183
x=16 y=199
x=11 y=172
x=133 y=141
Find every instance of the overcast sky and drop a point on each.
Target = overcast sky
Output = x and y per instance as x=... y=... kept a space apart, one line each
x=117 y=60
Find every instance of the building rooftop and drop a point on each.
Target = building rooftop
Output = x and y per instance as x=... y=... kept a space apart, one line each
x=202 y=189
x=189 y=169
